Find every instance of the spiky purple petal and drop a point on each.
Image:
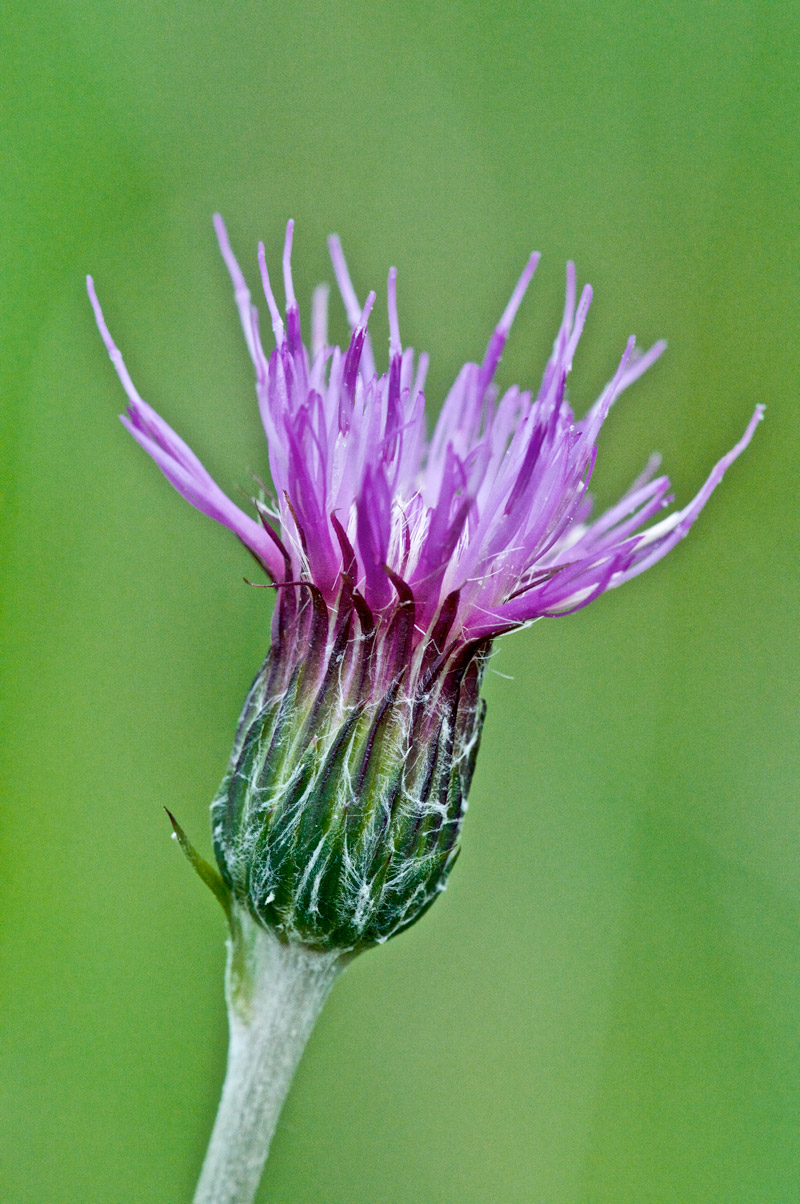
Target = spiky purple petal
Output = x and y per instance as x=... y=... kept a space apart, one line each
x=492 y=510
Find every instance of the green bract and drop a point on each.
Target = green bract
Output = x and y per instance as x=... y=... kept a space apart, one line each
x=337 y=823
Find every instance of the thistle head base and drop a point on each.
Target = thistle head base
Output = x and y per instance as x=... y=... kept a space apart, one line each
x=338 y=821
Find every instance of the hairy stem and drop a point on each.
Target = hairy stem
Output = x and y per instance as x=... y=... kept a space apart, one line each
x=275 y=993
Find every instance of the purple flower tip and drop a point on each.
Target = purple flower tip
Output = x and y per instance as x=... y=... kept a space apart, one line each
x=488 y=520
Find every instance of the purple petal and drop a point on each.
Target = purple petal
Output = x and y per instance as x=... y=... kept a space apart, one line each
x=658 y=540
x=178 y=462
x=488 y=522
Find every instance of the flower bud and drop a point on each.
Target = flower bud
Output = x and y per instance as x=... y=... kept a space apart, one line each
x=338 y=821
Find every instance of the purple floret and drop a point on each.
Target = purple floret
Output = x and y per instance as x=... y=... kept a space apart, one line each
x=487 y=521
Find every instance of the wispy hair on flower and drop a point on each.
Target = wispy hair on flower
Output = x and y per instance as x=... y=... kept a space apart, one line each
x=398 y=557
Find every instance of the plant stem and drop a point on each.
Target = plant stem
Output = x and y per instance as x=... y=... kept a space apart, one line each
x=275 y=993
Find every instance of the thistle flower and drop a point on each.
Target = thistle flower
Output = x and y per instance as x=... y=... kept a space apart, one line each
x=397 y=559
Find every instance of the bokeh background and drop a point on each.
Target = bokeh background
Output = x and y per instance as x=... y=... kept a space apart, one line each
x=603 y=1009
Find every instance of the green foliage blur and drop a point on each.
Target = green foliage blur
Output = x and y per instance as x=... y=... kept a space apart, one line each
x=603 y=1007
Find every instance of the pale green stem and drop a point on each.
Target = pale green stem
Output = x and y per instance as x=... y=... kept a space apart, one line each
x=275 y=993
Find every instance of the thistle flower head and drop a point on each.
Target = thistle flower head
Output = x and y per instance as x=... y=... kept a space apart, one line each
x=398 y=557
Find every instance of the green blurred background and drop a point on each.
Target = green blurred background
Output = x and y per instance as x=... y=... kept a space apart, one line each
x=604 y=1006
